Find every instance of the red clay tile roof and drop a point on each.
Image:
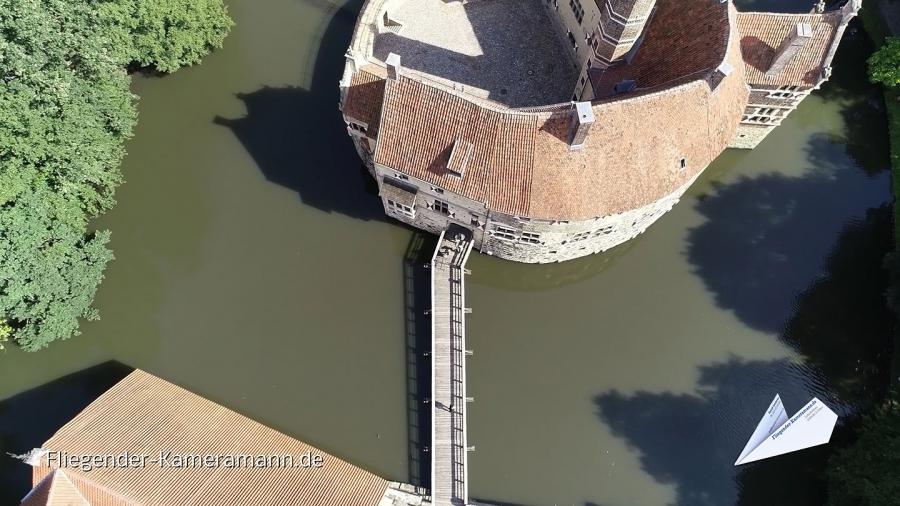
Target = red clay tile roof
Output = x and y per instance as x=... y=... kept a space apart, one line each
x=684 y=39
x=364 y=97
x=522 y=165
x=633 y=153
x=55 y=489
x=145 y=414
x=420 y=125
x=763 y=33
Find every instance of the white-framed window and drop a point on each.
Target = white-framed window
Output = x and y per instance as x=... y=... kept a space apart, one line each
x=572 y=40
x=603 y=231
x=784 y=92
x=402 y=208
x=439 y=191
x=577 y=10
x=357 y=127
x=401 y=176
x=580 y=236
x=504 y=233
x=530 y=238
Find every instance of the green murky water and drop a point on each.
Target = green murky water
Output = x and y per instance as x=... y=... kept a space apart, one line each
x=254 y=267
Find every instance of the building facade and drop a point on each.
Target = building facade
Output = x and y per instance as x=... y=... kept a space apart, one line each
x=663 y=88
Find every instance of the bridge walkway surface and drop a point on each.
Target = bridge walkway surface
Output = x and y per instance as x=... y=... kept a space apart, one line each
x=449 y=470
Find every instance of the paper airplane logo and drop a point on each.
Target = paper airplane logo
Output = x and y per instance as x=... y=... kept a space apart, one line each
x=777 y=434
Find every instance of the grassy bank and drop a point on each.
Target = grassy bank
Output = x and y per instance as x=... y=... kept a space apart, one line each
x=878 y=30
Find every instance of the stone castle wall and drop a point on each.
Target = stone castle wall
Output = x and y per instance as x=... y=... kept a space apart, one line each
x=522 y=239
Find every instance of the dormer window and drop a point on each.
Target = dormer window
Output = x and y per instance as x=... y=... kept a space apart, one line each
x=459 y=157
x=356 y=127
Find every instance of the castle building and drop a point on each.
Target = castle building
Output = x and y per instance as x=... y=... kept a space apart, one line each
x=557 y=131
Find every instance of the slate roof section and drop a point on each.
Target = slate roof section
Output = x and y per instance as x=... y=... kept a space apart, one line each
x=762 y=34
x=145 y=414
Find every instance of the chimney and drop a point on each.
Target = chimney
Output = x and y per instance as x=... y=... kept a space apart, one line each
x=722 y=71
x=793 y=44
x=393 y=66
x=581 y=124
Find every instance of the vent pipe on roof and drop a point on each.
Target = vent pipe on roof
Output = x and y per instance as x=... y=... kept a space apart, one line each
x=581 y=124
x=796 y=40
x=393 y=66
x=722 y=71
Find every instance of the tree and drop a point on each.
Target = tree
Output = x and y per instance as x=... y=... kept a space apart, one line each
x=884 y=65
x=865 y=473
x=65 y=113
x=50 y=271
x=5 y=333
x=166 y=34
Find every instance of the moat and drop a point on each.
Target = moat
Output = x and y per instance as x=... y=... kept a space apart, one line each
x=255 y=267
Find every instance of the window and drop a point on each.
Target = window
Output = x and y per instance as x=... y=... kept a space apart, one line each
x=441 y=207
x=439 y=191
x=401 y=208
x=784 y=92
x=357 y=127
x=603 y=231
x=504 y=233
x=402 y=176
x=683 y=164
x=581 y=236
x=577 y=10
x=475 y=222
x=572 y=40
x=530 y=238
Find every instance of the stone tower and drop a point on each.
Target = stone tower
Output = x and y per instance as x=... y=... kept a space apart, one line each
x=621 y=25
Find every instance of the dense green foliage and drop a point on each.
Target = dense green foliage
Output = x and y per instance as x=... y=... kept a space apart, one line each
x=884 y=65
x=65 y=113
x=865 y=473
x=166 y=34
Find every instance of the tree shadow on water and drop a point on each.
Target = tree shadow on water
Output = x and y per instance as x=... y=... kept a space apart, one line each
x=28 y=419
x=768 y=253
x=865 y=135
x=298 y=139
x=766 y=237
x=692 y=441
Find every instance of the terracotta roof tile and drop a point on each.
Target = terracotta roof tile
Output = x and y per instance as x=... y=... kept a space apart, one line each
x=55 y=489
x=364 y=97
x=763 y=33
x=522 y=165
x=145 y=414
x=684 y=39
x=420 y=125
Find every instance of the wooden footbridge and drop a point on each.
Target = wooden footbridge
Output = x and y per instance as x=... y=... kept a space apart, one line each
x=449 y=470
